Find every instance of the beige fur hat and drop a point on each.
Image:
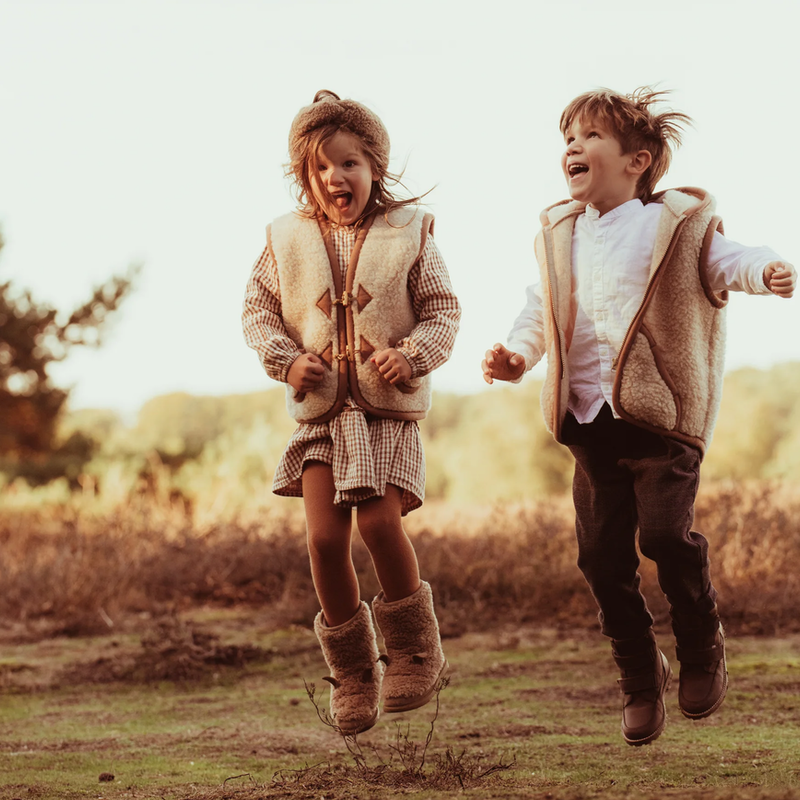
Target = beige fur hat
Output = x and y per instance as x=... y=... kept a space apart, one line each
x=326 y=109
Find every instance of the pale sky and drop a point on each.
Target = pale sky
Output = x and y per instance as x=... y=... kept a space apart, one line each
x=156 y=131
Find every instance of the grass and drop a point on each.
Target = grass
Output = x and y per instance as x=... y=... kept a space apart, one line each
x=538 y=700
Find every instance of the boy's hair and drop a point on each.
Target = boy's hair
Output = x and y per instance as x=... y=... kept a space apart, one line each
x=632 y=121
x=316 y=124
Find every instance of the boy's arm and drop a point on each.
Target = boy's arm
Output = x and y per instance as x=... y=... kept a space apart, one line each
x=436 y=306
x=262 y=322
x=754 y=270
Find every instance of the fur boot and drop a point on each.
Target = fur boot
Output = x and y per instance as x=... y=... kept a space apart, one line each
x=414 y=658
x=351 y=653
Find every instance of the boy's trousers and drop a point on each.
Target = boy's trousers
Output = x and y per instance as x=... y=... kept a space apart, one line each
x=627 y=478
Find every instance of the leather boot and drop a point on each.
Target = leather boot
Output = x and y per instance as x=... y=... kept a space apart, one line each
x=700 y=648
x=645 y=679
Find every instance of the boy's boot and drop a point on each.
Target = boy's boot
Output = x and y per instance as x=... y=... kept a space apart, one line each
x=351 y=653
x=700 y=648
x=414 y=658
x=645 y=679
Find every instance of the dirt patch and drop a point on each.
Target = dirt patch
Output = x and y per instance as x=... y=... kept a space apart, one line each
x=173 y=650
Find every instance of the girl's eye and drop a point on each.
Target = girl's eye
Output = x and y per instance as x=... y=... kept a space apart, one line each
x=349 y=163
x=321 y=167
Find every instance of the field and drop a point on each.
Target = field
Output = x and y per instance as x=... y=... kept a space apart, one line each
x=173 y=655
x=212 y=704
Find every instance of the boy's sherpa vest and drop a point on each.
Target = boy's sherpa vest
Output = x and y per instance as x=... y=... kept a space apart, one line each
x=345 y=322
x=669 y=370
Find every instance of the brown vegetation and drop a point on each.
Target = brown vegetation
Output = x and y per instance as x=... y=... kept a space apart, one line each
x=72 y=570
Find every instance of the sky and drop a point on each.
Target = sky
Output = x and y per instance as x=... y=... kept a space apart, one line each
x=155 y=131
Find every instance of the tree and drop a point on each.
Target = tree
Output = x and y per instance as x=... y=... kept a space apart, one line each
x=33 y=336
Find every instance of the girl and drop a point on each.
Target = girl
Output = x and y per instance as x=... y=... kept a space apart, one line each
x=350 y=305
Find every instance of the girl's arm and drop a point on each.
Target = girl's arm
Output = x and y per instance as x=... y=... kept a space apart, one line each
x=262 y=322
x=431 y=342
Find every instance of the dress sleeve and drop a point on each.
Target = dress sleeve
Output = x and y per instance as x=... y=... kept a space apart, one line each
x=262 y=322
x=436 y=307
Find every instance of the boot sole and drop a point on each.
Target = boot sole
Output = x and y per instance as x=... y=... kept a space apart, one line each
x=720 y=699
x=420 y=700
x=656 y=733
x=370 y=723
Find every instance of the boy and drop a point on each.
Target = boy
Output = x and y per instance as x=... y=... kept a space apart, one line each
x=630 y=312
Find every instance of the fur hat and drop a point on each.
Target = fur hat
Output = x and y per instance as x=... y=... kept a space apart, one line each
x=328 y=109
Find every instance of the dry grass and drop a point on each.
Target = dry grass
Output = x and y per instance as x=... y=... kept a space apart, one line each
x=69 y=569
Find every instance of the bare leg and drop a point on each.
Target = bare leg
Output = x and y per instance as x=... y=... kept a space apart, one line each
x=328 y=528
x=380 y=526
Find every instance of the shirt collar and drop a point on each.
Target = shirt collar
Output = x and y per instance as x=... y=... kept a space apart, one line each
x=631 y=207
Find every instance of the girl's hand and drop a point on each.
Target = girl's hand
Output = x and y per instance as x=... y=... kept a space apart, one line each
x=780 y=278
x=392 y=365
x=502 y=364
x=306 y=373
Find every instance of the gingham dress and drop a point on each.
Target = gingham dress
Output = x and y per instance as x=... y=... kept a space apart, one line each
x=365 y=452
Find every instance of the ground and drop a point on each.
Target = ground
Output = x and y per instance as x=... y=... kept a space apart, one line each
x=211 y=704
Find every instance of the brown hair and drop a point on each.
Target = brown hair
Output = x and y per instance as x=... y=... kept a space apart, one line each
x=315 y=125
x=632 y=121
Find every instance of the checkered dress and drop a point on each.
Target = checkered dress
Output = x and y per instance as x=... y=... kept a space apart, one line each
x=365 y=452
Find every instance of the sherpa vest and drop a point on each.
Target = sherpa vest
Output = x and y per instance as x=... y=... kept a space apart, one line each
x=668 y=373
x=345 y=321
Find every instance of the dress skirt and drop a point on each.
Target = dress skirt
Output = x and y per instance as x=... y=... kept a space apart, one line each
x=365 y=453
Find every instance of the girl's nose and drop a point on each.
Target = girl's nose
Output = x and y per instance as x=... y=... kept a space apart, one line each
x=335 y=176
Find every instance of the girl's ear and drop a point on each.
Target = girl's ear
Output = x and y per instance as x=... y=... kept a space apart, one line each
x=640 y=162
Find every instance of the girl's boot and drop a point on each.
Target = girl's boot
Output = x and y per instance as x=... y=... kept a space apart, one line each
x=351 y=653
x=414 y=658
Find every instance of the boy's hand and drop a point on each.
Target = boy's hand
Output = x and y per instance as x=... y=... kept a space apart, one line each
x=392 y=365
x=780 y=278
x=306 y=373
x=502 y=364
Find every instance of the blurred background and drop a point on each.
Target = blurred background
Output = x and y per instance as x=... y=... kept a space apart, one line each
x=142 y=147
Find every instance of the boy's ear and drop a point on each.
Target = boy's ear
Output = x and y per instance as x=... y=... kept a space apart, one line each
x=640 y=161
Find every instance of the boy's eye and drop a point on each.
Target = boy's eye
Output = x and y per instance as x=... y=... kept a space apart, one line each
x=593 y=133
x=570 y=139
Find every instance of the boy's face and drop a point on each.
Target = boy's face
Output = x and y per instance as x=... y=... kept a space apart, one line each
x=596 y=169
x=341 y=178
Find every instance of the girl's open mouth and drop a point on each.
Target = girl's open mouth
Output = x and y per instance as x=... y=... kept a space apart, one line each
x=342 y=200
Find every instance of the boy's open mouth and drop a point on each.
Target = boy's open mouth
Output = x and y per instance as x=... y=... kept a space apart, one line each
x=577 y=169
x=342 y=199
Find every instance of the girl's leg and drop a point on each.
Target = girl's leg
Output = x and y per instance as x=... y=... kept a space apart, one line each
x=328 y=529
x=380 y=526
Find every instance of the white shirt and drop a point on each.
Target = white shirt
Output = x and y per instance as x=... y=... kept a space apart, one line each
x=611 y=258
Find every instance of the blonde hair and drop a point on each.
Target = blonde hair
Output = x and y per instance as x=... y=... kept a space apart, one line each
x=635 y=125
x=308 y=136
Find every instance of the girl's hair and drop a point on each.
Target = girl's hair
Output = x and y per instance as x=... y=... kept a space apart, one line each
x=632 y=121
x=315 y=125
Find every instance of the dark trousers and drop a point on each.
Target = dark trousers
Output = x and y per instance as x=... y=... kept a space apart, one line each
x=627 y=478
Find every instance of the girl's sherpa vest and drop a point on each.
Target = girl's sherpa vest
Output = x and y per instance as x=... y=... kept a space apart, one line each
x=345 y=322
x=669 y=369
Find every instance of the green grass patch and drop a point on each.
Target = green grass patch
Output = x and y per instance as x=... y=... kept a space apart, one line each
x=527 y=714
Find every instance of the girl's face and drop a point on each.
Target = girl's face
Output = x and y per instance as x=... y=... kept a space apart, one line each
x=342 y=178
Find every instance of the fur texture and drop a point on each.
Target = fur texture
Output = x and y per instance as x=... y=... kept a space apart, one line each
x=414 y=658
x=669 y=370
x=379 y=312
x=351 y=653
x=346 y=114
